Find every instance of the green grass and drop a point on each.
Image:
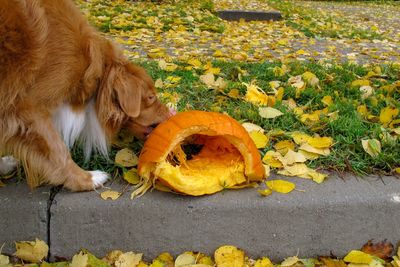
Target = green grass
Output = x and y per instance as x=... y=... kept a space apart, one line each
x=347 y=131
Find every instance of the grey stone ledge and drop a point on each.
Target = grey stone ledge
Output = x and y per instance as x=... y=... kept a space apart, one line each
x=335 y=216
x=249 y=15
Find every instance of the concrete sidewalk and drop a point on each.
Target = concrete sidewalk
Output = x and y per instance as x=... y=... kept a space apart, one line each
x=336 y=216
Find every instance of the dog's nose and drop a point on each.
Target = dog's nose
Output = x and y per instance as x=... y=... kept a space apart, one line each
x=154 y=125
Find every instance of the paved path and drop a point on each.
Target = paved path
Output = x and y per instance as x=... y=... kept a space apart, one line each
x=256 y=41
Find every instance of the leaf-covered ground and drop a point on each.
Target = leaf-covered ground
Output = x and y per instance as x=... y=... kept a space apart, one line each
x=34 y=253
x=329 y=72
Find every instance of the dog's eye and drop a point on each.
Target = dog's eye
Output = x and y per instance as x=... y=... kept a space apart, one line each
x=151 y=98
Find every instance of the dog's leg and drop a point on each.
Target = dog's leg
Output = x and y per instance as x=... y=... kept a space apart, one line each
x=7 y=165
x=46 y=158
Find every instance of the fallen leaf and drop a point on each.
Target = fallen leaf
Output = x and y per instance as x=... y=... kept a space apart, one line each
x=387 y=114
x=259 y=139
x=310 y=78
x=265 y=192
x=290 y=261
x=381 y=250
x=131 y=176
x=320 y=151
x=250 y=127
x=185 y=260
x=284 y=146
x=128 y=259
x=356 y=256
x=366 y=91
x=31 y=251
x=109 y=194
x=320 y=142
x=126 y=158
x=359 y=83
x=263 y=262
x=293 y=157
x=79 y=260
x=273 y=159
x=280 y=186
x=269 y=113
x=371 y=146
x=229 y=256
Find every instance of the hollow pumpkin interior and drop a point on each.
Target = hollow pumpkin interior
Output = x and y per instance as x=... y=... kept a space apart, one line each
x=201 y=164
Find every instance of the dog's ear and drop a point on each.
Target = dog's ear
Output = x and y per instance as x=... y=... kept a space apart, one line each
x=129 y=93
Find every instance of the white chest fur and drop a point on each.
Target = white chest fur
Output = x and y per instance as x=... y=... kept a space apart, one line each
x=83 y=126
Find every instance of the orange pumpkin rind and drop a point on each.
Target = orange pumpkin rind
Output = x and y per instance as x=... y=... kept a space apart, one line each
x=228 y=157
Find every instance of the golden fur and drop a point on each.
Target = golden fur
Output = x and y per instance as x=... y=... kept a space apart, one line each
x=49 y=57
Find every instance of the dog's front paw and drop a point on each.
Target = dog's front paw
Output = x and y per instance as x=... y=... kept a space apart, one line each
x=7 y=164
x=99 y=178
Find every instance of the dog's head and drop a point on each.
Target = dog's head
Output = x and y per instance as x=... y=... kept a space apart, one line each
x=128 y=99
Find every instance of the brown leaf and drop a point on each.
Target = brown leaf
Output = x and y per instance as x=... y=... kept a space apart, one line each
x=382 y=249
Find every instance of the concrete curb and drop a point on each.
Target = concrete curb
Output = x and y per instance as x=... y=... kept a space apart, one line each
x=23 y=215
x=336 y=216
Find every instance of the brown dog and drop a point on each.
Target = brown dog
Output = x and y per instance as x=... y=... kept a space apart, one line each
x=60 y=82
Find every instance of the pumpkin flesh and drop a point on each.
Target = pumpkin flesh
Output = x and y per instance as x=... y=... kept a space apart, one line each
x=226 y=156
x=218 y=165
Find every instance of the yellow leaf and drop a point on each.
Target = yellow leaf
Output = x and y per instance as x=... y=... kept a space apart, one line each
x=259 y=139
x=327 y=100
x=255 y=95
x=159 y=83
x=359 y=83
x=213 y=70
x=229 y=256
x=4 y=261
x=293 y=157
x=234 y=93
x=280 y=71
x=218 y=53
x=274 y=84
x=297 y=169
x=31 y=251
x=267 y=170
x=366 y=91
x=194 y=62
x=387 y=115
x=167 y=66
x=320 y=142
x=250 y=127
x=80 y=260
x=316 y=176
x=283 y=146
x=310 y=78
x=273 y=159
x=185 y=260
x=289 y=261
x=397 y=170
x=372 y=147
x=128 y=259
x=309 y=155
x=263 y=262
x=269 y=113
x=208 y=79
x=320 y=151
x=280 y=186
x=109 y=194
x=279 y=94
x=300 y=137
x=265 y=192
x=126 y=158
x=362 y=109
x=132 y=176
x=356 y=256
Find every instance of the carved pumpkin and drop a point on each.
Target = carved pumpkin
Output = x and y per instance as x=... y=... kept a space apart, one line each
x=197 y=153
